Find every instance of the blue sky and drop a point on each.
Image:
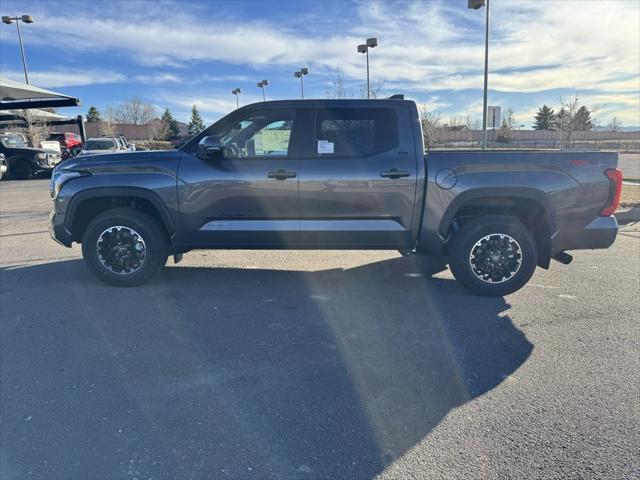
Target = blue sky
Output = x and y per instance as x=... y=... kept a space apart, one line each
x=178 y=53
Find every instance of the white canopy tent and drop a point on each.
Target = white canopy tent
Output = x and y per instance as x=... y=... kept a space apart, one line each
x=23 y=103
x=16 y=95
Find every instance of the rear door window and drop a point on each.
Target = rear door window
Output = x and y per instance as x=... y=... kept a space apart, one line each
x=355 y=132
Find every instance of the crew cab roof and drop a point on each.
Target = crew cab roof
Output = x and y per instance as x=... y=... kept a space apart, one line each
x=327 y=103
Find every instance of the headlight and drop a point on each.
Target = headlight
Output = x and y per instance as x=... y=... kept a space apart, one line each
x=42 y=156
x=59 y=178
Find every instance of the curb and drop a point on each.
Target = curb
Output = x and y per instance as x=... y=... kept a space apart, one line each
x=627 y=216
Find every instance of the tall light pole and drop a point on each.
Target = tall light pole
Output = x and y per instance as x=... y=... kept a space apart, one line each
x=25 y=19
x=236 y=92
x=476 y=4
x=261 y=85
x=299 y=74
x=364 y=48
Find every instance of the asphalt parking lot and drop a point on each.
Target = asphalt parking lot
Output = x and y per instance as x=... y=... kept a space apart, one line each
x=300 y=365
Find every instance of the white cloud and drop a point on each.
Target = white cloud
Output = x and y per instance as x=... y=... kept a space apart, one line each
x=66 y=78
x=425 y=47
x=158 y=78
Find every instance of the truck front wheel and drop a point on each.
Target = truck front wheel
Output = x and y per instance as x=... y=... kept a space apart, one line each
x=493 y=255
x=124 y=247
x=20 y=169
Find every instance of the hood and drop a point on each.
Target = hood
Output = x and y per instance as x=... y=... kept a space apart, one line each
x=115 y=160
x=25 y=149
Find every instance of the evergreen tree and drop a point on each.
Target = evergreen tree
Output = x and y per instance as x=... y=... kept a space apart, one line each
x=544 y=119
x=582 y=119
x=93 y=115
x=169 y=125
x=196 y=125
x=562 y=120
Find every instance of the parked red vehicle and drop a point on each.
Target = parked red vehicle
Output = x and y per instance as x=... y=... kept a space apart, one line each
x=66 y=139
x=70 y=143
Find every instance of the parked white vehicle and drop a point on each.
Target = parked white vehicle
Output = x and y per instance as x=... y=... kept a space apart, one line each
x=52 y=145
x=100 y=146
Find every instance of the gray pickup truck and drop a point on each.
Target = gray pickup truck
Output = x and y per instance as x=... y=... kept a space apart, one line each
x=336 y=174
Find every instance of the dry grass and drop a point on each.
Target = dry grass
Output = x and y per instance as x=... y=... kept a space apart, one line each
x=630 y=195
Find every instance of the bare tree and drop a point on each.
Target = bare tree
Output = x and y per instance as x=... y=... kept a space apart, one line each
x=375 y=89
x=336 y=88
x=139 y=111
x=133 y=110
x=510 y=118
x=472 y=123
x=107 y=123
x=614 y=125
x=454 y=122
x=509 y=122
x=430 y=127
x=566 y=119
x=35 y=131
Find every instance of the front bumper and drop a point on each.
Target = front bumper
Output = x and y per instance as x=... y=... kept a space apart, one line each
x=599 y=233
x=57 y=229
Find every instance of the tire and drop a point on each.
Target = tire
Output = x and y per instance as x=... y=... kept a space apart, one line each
x=20 y=169
x=493 y=256
x=125 y=247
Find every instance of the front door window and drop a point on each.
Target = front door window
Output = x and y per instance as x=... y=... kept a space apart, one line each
x=261 y=134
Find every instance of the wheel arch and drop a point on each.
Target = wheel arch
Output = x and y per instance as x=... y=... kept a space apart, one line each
x=86 y=204
x=530 y=206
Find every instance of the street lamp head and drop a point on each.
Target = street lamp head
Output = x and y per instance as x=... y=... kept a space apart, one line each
x=260 y=85
x=475 y=4
x=6 y=20
x=265 y=82
x=27 y=18
x=304 y=71
x=372 y=42
x=362 y=48
x=297 y=74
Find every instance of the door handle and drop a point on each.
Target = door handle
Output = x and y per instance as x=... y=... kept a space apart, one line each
x=395 y=173
x=281 y=174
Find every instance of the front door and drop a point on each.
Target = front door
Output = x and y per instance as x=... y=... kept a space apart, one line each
x=358 y=185
x=249 y=197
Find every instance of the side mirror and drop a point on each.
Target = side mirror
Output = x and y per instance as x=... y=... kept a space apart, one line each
x=209 y=148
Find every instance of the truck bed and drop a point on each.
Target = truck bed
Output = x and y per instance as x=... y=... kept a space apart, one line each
x=569 y=187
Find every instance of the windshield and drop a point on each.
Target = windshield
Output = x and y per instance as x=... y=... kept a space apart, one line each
x=100 y=145
x=12 y=141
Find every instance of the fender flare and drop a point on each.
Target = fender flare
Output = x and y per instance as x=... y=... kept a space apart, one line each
x=490 y=192
x=96 y=192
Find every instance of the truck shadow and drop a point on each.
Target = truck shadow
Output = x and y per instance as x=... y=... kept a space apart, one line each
x=239 y=373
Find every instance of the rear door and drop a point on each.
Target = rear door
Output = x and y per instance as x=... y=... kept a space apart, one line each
x=250 y=196
x=358 y=184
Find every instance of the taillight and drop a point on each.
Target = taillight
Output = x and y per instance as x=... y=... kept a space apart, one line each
x=615 y=178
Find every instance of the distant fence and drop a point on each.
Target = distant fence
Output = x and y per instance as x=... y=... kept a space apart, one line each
x=98 y=129
x=624 y=141
x=132 y=132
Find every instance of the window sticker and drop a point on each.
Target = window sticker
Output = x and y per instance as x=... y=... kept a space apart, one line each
x=325 y=146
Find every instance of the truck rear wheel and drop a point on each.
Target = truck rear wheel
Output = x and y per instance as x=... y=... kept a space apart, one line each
x=124 y=247
x=493 y=255
x=20 y=169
